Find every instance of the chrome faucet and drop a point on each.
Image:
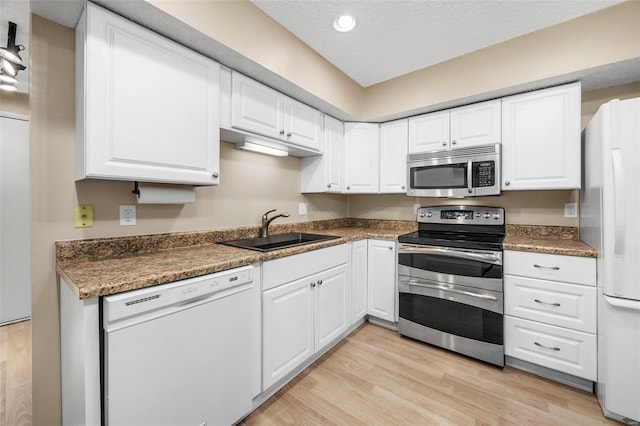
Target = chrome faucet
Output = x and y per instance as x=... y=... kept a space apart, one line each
x=266 y=221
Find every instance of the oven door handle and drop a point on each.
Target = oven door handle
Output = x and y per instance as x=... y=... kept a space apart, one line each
x=452 y=290
x=491 y=257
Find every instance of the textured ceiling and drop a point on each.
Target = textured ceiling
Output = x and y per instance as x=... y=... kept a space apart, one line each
x=395 y=37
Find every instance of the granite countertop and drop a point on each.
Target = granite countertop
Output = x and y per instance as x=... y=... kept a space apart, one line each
x=106 y=266
x=102 y=267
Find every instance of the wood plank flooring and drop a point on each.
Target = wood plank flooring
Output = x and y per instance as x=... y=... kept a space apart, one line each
x=15 y=374
x=376 y=377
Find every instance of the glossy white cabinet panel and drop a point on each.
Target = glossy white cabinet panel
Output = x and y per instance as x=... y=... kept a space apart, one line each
x=569 y=351
x=569 y=269
x=382 y=265
x=147 y=108
x=541 y=139
x=565 y=305
x=359 y=279
x=394 y=139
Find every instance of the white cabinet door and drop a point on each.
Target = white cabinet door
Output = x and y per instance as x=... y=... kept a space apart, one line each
x=324 y=173
x=429 y=132
x=382 y=279
x=256 y=108
x=331 y=313
x=394 y=139
x=541 y=139
x=359 y=281
x=302 y=125
x=361 y=158
x=287 y=328
x=148 y=108
x=477 y=124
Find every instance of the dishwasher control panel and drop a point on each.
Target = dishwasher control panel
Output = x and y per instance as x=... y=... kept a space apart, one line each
x=179 y=293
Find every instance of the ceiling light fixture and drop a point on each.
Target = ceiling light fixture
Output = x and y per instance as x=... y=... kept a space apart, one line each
x=344 y=23
x=11 y=62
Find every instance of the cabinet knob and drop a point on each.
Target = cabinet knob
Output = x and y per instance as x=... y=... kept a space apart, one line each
x=289 y=134
x=390 y=247
x=444 y=143
x=403 y=187
x=319 y=282
x=507 y=183
x=328 y=185
x=348 y=187
x=454 y=142
x=313 y=284
x=215 y=174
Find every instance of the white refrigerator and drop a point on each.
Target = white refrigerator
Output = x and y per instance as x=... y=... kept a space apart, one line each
x=610 y=222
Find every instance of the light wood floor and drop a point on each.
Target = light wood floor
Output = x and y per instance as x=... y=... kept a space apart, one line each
x=15 y=374
x=377 y=377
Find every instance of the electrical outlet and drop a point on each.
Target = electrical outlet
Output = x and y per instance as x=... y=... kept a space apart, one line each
x=127 y=215
x=570 y=210
x=415 y=208
x=302 y=209
x=83 y=216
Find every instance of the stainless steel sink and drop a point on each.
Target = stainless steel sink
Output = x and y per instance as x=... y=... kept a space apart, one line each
x=280 y=241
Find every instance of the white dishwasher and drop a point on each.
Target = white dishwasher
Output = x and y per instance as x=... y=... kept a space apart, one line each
x=179 y=353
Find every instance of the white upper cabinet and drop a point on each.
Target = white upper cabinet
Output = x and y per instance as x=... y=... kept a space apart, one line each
x=471 y=125
x=147 y=108
x=541 y=139
x=324 y=173
x=477 y=124
x=394 y=137
x=259 y=109
x=429 y=132
x=362 y=147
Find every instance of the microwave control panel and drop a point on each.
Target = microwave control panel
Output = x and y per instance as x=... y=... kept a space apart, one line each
x=484 y=174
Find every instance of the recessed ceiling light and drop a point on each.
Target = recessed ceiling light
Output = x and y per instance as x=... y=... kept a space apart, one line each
x=344 y=23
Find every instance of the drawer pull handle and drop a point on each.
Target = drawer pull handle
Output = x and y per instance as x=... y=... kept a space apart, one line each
x=546 y=347
x=546 y=303
x=548 y=268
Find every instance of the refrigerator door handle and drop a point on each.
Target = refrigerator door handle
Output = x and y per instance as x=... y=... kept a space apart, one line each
x=623 y=303
x=618 y=193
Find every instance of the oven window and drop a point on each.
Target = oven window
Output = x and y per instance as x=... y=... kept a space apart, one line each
x=439 y=177
x=452 y=317
x=450 y=266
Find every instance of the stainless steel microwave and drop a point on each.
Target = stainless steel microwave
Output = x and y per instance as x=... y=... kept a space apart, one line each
x=465 y=172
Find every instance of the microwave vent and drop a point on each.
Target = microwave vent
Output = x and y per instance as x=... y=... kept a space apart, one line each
x=463 y=152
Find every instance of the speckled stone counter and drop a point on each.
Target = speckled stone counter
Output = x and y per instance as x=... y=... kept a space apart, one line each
x=105 y=266
x=547 y=239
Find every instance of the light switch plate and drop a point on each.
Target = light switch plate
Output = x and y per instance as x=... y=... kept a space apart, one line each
x=302 y=209
x=570 y=210
x=83 y=216
x=127 y=215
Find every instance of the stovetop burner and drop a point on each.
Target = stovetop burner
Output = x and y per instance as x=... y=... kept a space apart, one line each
x=467 y=227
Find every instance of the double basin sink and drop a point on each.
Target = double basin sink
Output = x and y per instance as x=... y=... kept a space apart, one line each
x=279 y=241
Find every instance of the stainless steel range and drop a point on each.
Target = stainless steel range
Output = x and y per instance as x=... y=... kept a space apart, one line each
x=450 y=280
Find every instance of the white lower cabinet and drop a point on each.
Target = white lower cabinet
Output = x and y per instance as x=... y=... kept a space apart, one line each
x=359 y=279
x=550 y=312
x=381 y=272
x=305 y=307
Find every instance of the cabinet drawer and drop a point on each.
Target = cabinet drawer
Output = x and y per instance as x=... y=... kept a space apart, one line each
x=565 y=305
x=571 y=269
x=572 y=352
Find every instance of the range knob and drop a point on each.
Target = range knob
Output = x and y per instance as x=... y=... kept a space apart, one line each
x=496 y=216
x=487 y=215
x=429 y=214
x=421 y=213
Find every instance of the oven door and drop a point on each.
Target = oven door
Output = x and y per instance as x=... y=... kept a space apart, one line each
x=459 y=318
x=474 y=268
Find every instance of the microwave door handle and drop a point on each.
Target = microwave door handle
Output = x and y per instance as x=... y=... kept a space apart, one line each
x=452 y=290
x=470 y=176
x=469 y=255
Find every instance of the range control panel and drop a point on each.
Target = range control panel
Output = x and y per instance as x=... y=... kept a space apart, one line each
x=470 y=215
